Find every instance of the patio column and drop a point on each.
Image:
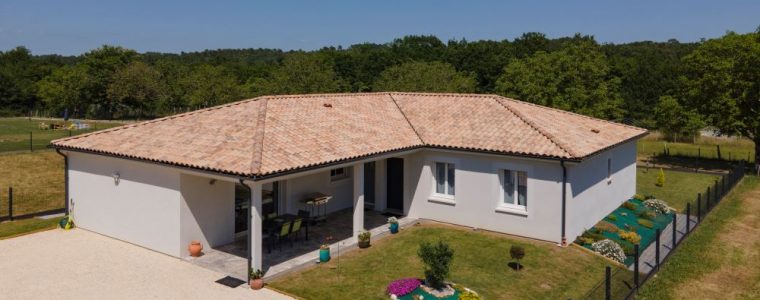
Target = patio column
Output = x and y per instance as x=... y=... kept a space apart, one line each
x=255 y=226
x=358 y=198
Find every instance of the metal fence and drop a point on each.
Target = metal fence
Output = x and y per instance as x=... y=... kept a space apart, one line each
x=701 y=153
x=17 y=206
x=624 y=283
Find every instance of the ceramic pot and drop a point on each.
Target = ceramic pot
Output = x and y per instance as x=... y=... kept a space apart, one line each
x=324 y=255
x=195 y=248
x=257 y=284
x=363 y=244
x=394 y=228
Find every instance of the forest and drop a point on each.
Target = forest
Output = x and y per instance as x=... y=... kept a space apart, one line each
x=673 y=86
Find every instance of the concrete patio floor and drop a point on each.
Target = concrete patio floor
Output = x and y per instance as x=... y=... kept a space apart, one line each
x=79 y=264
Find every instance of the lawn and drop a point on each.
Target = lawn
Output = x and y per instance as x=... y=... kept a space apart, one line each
x=37 y=180
x=721 y=258
x=20 y=227
x=480 y=263
x=14 y=132
x=679 y=188
x=705 y=147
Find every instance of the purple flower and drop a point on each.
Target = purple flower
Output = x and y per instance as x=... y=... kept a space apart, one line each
x=403 y=286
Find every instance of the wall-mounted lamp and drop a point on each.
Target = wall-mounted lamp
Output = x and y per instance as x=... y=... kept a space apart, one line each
x=212 y=181
x=116 y=178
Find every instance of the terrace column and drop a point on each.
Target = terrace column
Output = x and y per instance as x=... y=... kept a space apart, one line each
x=255 y=226
x=358 y=198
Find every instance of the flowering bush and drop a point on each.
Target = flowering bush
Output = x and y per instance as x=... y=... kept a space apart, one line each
x=630 y=236
x=403 y=286
x=609 y=249
x=658 y=206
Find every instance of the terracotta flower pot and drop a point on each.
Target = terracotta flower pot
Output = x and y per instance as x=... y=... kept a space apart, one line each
x=257 y=284
x=195 y=248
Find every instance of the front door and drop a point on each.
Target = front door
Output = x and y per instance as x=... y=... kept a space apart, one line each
x=395 y=183
x=369 y=184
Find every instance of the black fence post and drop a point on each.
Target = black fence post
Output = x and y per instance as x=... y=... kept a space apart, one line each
x=707 y=201
x=607 y=283
x=10 y=203
x=723 y=184
x=31 y=145
x=657 y=249
x=636 y=266
x=699 y=207
x=688 y=217
x=675 y=217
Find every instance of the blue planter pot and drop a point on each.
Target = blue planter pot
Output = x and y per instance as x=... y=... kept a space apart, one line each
x=324 y=255
x=394 y=228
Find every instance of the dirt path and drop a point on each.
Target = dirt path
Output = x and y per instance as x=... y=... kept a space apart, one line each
x=738 y=249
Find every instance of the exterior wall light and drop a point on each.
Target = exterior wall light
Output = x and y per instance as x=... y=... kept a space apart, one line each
x=116 y=178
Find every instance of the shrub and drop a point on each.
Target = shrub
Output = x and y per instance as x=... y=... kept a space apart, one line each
x=647 y=214
x=585 y=241
x=658 y=206
x=593 y=236
x=639 y=197
x=606 y=226
x=402 y=287
x=612 y=218
x=630 y=236
x=646 y=223
x=437 y=259
x=256 y=273
x=629 y=205
x=365 y=236
x=392 y=220
x=517 y=253
x=660 y=178
x=627 y=248
x=647 y=197
x=609 y=249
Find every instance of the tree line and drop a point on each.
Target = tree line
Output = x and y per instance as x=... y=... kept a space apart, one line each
x=673 y=86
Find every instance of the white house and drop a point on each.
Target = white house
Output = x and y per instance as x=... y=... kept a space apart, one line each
x=483 y=161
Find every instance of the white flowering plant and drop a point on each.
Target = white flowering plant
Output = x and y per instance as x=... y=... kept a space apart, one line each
x=609 y=249
x=658 y=206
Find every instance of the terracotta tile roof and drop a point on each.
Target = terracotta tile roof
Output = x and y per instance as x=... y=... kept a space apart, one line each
x=274 y=134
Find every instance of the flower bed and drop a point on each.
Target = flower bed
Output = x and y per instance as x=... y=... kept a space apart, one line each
x=412 y=289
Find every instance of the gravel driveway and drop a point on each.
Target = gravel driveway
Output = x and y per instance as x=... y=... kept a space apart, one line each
x=79 y=264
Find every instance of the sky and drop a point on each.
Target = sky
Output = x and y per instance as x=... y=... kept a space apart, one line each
x=77 y=26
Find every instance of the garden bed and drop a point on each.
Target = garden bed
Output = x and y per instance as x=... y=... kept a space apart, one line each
x=629 y=217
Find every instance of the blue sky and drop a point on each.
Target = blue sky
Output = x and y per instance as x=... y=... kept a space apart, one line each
x=74 y=27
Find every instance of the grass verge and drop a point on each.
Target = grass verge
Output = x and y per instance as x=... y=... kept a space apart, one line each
x=720 y=260
x=22 y=227
x=480 y=263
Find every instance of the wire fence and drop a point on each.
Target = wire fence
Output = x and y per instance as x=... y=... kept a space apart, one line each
x=16 y=205
x=699 y=152
x=622 y=283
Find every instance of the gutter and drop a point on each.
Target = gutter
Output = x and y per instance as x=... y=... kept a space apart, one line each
x=66 y=177
x=248 y=219
x=564 y=201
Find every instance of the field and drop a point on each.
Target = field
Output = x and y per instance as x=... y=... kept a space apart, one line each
x=480 y=263
x=721 y=258
x=14 y=132
x=37 y=181
x=734 y=149
x=679 y=188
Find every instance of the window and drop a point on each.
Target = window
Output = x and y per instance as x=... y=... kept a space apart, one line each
x=515 y=184
x=338 y=174
x=444 y=179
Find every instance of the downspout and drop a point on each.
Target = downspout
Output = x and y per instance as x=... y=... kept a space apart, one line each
x=564 y=201
x=65 y=178
x=248 y=219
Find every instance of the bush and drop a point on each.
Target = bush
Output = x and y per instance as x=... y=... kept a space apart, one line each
x=593 y=236
x=612 y=218
x=629 y=205
x=437 y=259
x=606 y=227
x=659 y=206
x=660 y=178
x=630 y=236
x=639 y=197
x=646 y=223
x=365 y=236
x=647 y=214
x=609 y=249
x=517 y=253
x=627 y=248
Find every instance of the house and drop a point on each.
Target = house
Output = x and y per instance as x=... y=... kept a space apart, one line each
x=482 y=161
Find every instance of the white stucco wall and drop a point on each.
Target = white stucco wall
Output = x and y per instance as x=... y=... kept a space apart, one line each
x=299 y=187
x=593 y=196
x=142 y=209
x=207 y=211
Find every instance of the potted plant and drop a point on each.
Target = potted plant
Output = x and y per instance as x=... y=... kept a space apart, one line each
x=364 y=237
x=393 y=223
x=324 y=250
x=257 y=281
x=195 y=248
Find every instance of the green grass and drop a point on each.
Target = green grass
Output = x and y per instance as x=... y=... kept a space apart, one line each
x=21 y=227
x=705 y=147
x=679 y=188
x=480 y=263
x=14 y=132
x=719 y=246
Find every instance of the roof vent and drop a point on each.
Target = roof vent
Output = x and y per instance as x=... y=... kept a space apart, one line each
x=595 y=130
x=328 y=105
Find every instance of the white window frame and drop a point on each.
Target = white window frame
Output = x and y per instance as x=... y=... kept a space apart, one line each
x=345 y=174
x=502 y=198
x=446 y=192
x=498 y=168
x=434 y=195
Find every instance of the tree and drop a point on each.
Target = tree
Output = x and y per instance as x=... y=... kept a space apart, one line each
x=300 y=73
x=424 y=77
x=67 y=88
x=675 y=121
x=575 y=78
x=485 y=59
x=722 y=81
x=207 y=86
x=517 y=253
x=136 y=88
x=437 y=259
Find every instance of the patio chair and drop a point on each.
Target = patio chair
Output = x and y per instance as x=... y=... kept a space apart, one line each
x=296 y=228
x=284 y=233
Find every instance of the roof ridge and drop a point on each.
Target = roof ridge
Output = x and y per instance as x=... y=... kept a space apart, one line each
x=407 y=119
x=570 y=113
x=171 y=117
x=258 y=138
x=549 y=136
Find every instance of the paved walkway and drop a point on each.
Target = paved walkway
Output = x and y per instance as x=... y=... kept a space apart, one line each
x=79 y=264
x=648 y=258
